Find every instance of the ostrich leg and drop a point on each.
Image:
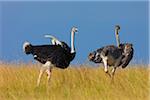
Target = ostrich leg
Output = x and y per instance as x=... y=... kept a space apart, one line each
x=106 y=66
x=42 y=70
x=118 y=62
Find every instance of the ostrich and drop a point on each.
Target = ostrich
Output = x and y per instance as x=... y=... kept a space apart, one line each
x=112 y=55
x=52 y=55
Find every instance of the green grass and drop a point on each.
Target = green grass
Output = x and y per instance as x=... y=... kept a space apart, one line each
x=18 y=82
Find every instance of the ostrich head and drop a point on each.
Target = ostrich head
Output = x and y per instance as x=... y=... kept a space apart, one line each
x=117 y=27
x=74 y=29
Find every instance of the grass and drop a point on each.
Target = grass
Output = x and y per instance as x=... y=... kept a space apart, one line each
x=18 y=82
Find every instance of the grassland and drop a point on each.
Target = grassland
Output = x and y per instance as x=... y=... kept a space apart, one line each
x=18 y=82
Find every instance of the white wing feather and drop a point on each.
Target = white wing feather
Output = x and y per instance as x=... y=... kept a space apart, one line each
x=54 y=40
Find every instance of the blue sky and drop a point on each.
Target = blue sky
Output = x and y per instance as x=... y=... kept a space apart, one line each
x=29 y=21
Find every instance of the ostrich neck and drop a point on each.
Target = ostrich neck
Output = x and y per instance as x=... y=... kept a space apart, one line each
x=117 y=37
x=72 y=42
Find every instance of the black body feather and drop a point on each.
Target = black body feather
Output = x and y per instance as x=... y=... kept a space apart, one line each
x=57 y=55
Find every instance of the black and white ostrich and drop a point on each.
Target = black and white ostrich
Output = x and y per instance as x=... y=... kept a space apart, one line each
x=112 y=55
x=55 y=55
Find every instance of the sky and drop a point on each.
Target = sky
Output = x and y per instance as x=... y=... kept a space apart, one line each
x=96 y=20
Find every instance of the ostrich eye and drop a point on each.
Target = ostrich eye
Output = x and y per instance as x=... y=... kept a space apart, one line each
x=27 y=47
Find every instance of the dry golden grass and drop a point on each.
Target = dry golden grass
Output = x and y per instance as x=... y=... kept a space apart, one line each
x=18 y=82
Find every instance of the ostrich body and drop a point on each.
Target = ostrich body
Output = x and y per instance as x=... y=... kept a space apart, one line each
x=112 y=55
x=52 y=55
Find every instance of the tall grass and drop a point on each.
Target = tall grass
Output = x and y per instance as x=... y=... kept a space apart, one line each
x=18 y=82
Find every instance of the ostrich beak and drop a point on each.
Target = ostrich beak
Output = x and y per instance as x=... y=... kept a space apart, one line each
x=76 y=30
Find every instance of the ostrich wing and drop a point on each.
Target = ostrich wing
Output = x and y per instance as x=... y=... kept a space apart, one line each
x=54 y=40
x=127 y=58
